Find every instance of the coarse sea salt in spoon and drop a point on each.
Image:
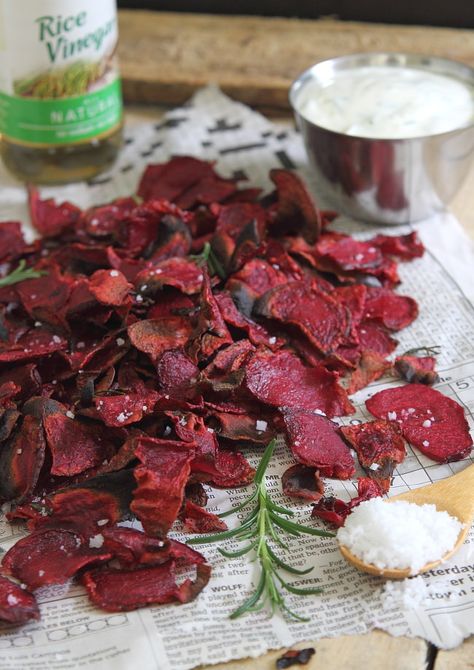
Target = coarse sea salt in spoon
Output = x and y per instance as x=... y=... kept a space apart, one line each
x=410 y=533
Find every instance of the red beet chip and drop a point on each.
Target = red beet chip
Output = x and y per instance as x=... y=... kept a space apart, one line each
x=156 y=336
x=429 y=420
x=12 y=243
x=375 y=337
x=169 y=180
x=110 y=287
x=370 y=367
x=132 y=547
x=35 y=343
x=315 y=441
x=75 y=446
x=280 y=379
x=16 y=604
x=295 y=210
x=211 y=332
x=349 y=254
x=161 y=478
x=45 y=297
x=21 y=459
x=52 y=556
x=124 y=590
x=390 y=309
x=49 y=218
x=177 y=374
x=259 y=276
x=405 y=247
x=335 y=511
x=126 y=408
x=379 y=446
x=180 y=273
x=87 y=507
x=301 y=481
x=320 y=318
x=417 y=369
x=196 y=519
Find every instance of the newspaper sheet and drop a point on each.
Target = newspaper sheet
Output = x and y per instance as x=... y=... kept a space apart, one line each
x=74 y=634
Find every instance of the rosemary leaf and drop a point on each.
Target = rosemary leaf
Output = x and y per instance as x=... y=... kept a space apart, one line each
x=20 y=274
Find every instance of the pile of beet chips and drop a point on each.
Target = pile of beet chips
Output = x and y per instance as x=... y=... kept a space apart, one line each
x=168 y=332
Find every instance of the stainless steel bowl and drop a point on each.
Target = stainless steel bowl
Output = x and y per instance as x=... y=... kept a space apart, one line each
x=419 y=176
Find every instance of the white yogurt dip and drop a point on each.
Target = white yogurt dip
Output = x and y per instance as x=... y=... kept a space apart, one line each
x=387 y=102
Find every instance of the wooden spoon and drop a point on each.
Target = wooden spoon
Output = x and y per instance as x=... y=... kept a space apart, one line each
x=454 y=495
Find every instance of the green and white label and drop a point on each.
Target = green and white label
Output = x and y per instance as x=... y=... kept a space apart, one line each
x=58 y=75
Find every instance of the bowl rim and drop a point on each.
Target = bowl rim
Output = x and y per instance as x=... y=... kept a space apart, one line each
x=414 y=60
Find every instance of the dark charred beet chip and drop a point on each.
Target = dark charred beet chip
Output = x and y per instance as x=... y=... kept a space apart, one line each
x=155 y=336
x=243 y=427
x=320 y=318
x=390 y=309
x=49 y=218
x=295 y=657
x=417 y=369
x=124 y=590
x=315 y=442
x=256 y=333
x=280 y=379
x=45 y=297
x=110 y=287
x=405 y=247
x=295 y=210
x=52 y=557
x=161 y=477
x=301 y=481
x=335 y=511
x=211 y=332
x=429 y=420
x=21 y=460
x=196 y=519
x=16 y=604
x=379 y=446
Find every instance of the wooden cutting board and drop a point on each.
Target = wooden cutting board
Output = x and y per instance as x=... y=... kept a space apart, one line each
x=166 y=56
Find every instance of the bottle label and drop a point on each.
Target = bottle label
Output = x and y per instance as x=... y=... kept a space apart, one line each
x=59 y=80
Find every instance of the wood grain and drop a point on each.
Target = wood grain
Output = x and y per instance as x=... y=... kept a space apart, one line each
x=461 y=658
x=373 y=651
x=165 y=56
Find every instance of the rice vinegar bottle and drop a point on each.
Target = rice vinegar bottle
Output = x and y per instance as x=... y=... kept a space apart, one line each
x=60 y=94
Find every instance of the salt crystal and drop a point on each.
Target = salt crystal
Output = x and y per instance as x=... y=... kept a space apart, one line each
x=120 y=341
x=19 y=451
x=96 y=541
x=139 y=298
x=407 y=594
x=80 y=345
x=102 y=522
x=272 y=340
x=200 y=277
x=11 y=599
x=392 y=416
x=426 y=443
x=412 y=410
x=261 y=425
x=374 y=467
x=359 y=257
x=56 y=339
x=37 y=324
x=144 y=408
x=398 y=534
x=319 y=412
x=114 y=273
x=426 y=424
x=70 y=414
x=121 y=417
x=40 y=573
x=144 y=287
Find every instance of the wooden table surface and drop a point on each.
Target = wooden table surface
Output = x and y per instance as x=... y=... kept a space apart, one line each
x=164 y=58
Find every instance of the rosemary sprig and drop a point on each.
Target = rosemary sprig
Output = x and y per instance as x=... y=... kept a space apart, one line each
x=208 y=256
x=20 y=274
x=259 y=528
x=434 y=350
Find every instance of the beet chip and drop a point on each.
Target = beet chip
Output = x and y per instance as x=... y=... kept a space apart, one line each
x=315 y=441
x=300 y=481
x=161 y=480
x=124 y=590
x=16 y=604
x=196 y=519
x=280 y=379
x=296 y=211
x=155 y=336
x=429 y=420
x=417 y=369
x=370 y=367
x=21 y=460
x=126 y=408
x=335 y=511
x=390 y=309
x=316 y=314
x=110 y=287
x=12 y=243
x=49 y=218
x=52 y=556
x=405 y=247
x=379 y=446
